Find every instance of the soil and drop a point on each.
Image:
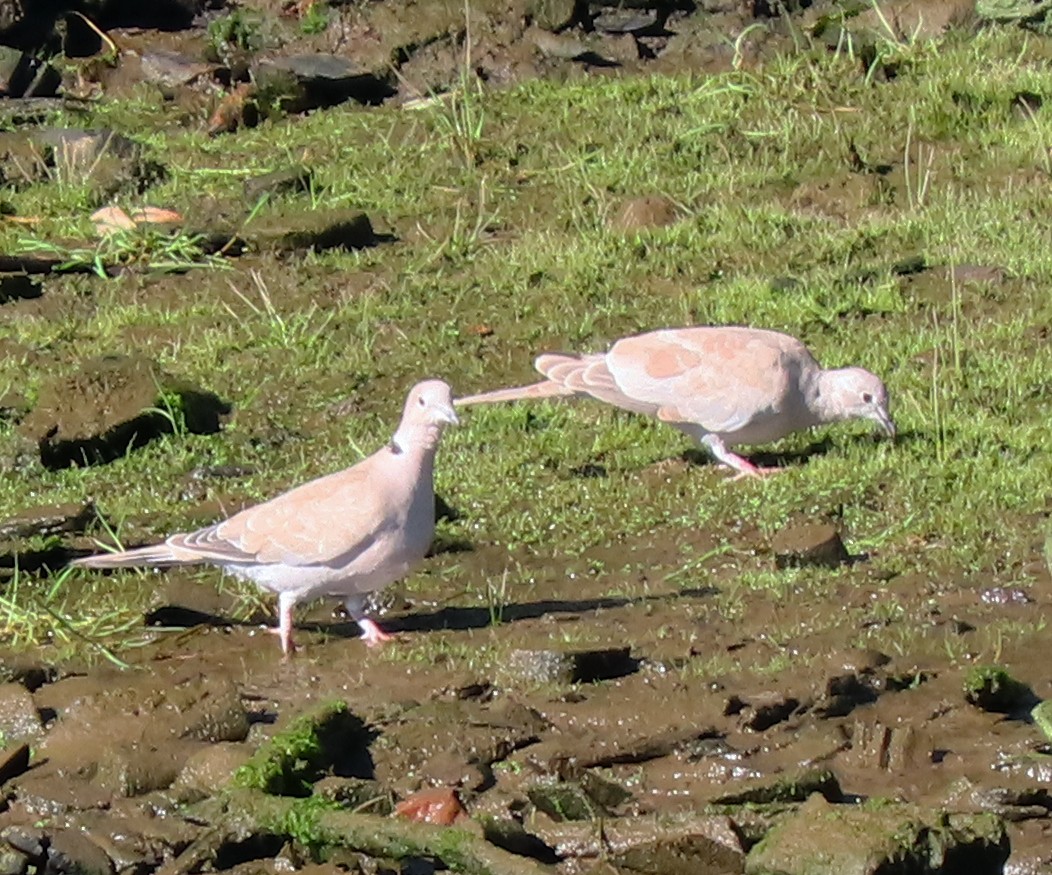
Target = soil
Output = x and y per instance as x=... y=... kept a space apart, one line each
x=665 y=728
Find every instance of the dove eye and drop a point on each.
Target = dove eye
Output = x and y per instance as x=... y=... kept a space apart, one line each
x=421 y=402
x=867 y=397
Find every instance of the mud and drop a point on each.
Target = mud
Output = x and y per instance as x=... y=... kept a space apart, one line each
x=713 y=742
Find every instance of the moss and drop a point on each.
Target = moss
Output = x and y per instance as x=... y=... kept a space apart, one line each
x=992 y=688
x=289 y=762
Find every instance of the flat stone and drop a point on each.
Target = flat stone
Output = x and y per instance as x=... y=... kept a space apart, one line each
x=308 y=81
x=72 y=853
x=824 y=839
x=288 y=179
x=809 y=544
x=45 y=520
x=570 y=666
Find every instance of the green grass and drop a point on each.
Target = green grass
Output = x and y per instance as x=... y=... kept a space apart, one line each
x=500 y=218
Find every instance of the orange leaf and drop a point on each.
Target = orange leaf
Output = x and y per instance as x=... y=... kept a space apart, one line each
x=109 y=220
x=438 y=805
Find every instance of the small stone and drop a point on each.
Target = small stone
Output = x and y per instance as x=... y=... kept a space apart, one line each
x=794 y=787
x=308 y=81
x=569 y=667
x=19 y=719
x=72 y=853
x=809 y=544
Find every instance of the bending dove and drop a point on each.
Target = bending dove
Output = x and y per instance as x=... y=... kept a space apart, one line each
x=344 y=535
x=721 y=385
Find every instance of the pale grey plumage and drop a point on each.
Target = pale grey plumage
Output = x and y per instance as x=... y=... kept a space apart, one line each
x=346 y=534
x=722 y=385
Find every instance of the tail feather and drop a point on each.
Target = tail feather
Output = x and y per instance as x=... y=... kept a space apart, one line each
x=156 y=554
x=544 y=389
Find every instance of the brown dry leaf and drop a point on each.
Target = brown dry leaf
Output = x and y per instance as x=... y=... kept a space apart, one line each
x=481 y=330
x=156 y=216
x=231 y=110
x=438 y=805
x=110 y=220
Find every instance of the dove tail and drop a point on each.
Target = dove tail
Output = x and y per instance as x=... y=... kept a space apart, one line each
x=544 y=389
x=158 y=554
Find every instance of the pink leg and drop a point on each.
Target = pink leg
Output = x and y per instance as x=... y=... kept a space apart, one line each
x=372 y=634
x=744 y=467
x=286 y=601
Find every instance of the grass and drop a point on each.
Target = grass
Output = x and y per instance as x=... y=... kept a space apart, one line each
x=499 y=207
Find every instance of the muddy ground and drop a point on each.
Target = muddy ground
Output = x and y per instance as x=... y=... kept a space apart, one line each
x=629 y=723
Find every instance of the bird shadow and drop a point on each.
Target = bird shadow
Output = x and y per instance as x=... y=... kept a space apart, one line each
x=450 y=618
x=457 y=618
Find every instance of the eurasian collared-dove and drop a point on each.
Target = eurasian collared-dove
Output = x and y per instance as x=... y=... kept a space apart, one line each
x=344 y=535
x=722 y=385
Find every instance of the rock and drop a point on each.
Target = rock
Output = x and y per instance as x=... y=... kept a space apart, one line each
x=318 y=230
x=641 y=213
x=571 y=666
x=169 y=69
x=761 y=711
x=992 y=688
x=46 y=520
x=298 y=83
x=71 y=853
x=12 y=861
x=135 y=770
x=451 y=742
x=209 y=770
x=901 y=748
x=289 y=179
x=14 y=760
x=795 y=787
x=846 y=692
x=809 y=544
x=821 y=838
x=685 y=844
x=113 y=404
x=19 y=718
x=28 y=840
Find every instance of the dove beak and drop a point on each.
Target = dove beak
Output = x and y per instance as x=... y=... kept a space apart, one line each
x=446 y=415
x=882 y=418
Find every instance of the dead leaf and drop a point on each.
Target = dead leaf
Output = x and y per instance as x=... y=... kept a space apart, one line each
x=481 y=330
x=438 y=805
x=230 y=113
x=156 y=216
x=110 y=220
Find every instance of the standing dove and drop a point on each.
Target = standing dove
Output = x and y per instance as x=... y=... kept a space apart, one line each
x=722 y=385
x=344 y=535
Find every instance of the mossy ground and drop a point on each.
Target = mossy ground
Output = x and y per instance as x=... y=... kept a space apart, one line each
x=805 y=168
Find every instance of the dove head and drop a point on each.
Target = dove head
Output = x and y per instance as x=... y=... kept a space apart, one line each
x=428 y=410
x=855 y=393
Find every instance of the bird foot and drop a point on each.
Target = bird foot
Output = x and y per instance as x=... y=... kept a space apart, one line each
x=748 y=469
x=288 y=646
x=372 y=634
